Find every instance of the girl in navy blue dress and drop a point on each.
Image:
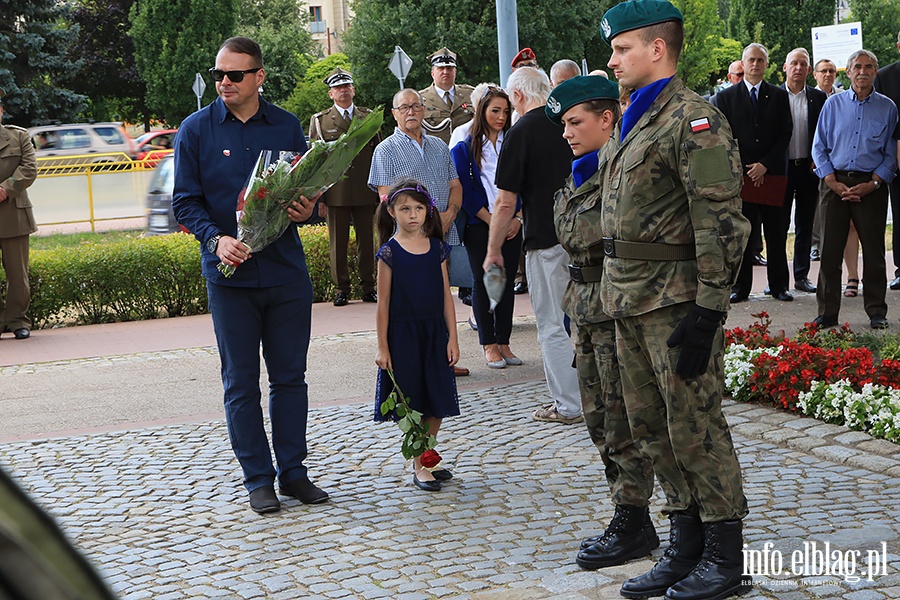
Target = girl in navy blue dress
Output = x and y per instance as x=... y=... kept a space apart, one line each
x=416 y=319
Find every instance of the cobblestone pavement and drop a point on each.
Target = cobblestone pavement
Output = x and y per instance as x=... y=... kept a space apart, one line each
x=162 y=513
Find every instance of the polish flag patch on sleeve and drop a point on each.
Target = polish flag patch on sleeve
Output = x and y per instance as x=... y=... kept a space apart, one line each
x=699 y=125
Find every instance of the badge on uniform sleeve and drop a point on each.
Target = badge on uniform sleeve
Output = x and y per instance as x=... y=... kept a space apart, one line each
x=698 y=125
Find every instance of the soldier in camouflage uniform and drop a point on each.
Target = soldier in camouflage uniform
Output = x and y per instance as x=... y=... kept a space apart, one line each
x=674 y=237
x=588 y=107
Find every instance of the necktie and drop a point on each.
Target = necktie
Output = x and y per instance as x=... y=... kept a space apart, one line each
x=347 y=115
x=448 y=100
x=753 y=100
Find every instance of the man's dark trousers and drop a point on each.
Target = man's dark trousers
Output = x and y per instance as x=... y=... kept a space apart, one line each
x=776 y=250
x=869 y=216
x=803 y=183
x=895 y=215
x=280 y=318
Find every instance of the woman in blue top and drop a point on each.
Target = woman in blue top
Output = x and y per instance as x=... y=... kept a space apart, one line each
x=476 y=163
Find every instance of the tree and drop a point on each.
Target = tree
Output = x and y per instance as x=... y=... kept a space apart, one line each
x=280 y=28
x=311 y=94
x=780 y=25
x=880 y=20
x=173 y=40
x=702 y=34
x=35 y=40
x=108 y=75
x=468 y=27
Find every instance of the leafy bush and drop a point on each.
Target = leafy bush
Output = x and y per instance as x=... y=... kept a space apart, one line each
x=132 y=279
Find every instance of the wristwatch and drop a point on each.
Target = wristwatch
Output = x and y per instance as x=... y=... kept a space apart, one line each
x=213 y=242
x=876 y=183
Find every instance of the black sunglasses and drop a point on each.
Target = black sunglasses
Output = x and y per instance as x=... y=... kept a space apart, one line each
x=234 y=76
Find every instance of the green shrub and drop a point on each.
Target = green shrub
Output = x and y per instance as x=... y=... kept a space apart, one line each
x=130 y=279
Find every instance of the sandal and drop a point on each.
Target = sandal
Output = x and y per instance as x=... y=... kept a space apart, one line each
x=852 y=288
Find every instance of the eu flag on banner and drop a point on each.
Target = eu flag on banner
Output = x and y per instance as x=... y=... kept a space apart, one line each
x=854 y=31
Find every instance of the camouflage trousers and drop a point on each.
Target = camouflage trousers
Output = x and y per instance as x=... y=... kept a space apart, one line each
x=679 y=424
x=628 y=473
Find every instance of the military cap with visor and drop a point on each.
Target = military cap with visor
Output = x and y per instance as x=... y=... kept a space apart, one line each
x=577 y=90
x=339 y=77
x=443 y=58
x=636 y=14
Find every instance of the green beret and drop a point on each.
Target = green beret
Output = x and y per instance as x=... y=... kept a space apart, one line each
x=577 y=90
x=636 y=14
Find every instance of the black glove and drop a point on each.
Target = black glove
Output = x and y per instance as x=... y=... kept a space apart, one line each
x=695 y=334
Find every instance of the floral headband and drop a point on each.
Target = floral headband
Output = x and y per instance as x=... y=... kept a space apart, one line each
x=419 y=188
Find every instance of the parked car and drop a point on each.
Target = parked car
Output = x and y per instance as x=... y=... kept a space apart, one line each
x=160 y=218
x=82 y=138
x=152 y=146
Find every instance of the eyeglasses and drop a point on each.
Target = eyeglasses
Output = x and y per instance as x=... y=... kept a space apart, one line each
x=827 y=71
x=405 y=108
x=234 y=76
x=530 y=63
x=490 y=89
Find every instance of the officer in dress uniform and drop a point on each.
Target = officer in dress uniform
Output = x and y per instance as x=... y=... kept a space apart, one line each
x=349 y=200
x=444 y=99
x=18 y=170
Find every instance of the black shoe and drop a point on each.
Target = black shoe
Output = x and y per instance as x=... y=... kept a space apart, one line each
x=622 y=541
x=758 y=260
x=814 y=254
x=805 y=285
x=263 y=500
x=823 y=322
x=719 y=574
x=649 y=533
x=679 y=559
x=428 y=486
x=22 y=333
x=341 y=299
x=467 y=299
x=895 y=283
x=304 y=490
x=520 y=288
x=784 y=296
x=878 y=322
x=442 y=474
x=370 y=297
x=735 y=297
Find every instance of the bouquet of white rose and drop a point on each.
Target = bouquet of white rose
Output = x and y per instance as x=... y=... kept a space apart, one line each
x=273 y=185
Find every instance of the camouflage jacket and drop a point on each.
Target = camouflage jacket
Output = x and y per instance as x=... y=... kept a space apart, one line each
x=675 y=179
x=577 y=217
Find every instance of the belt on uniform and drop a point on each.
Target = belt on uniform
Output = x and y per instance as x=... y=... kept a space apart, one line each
x=614 y=248
x=585 y=274
x=854 y=174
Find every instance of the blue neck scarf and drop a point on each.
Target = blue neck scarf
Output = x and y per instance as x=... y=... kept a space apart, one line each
x=641 y=99
x=584 y=167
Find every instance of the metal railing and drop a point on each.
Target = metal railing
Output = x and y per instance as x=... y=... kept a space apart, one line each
x=89 y=188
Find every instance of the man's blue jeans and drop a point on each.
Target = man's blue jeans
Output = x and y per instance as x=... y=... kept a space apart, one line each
x=278 y=317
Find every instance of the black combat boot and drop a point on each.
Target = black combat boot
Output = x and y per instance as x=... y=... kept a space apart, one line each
x=682 y=555
x=623 y=540
x=649 y=533
x=719 y=574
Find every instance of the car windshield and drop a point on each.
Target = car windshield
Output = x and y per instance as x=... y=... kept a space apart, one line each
x=163 y=180
x=142 y=138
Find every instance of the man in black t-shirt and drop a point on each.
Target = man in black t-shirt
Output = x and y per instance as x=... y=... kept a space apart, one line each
x=534 y=163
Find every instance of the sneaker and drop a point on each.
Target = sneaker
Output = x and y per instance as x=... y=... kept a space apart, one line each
x=551 y=415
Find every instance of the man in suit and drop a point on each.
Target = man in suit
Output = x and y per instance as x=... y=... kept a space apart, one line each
x=18 y=170
x=806 y=104
x=760 y=117
x=887 y=82
x=349 y=200
x=444 y=99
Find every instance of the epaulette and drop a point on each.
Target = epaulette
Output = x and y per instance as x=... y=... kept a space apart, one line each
x=321 y=112
x=16 y=128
